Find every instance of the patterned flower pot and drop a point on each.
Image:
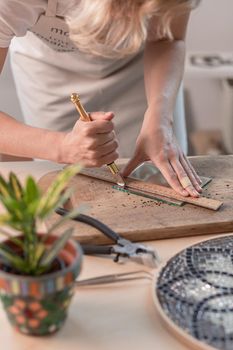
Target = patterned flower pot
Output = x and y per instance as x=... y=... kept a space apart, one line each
x=38 y=305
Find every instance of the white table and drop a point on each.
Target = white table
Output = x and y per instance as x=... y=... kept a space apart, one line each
x=118 y=316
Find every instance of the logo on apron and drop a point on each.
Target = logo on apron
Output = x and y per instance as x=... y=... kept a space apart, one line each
x=54 y=32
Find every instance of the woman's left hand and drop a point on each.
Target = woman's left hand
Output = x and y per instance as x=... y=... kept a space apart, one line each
x=159 y=145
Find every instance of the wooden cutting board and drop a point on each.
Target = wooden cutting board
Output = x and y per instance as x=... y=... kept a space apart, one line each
x=141 y=219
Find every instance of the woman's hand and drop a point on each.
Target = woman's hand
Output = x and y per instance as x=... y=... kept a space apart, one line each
x=91 y=144
x=160 y=146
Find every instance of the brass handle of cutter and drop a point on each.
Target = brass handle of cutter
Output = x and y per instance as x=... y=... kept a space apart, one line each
x=113 y=168
x=84 y=116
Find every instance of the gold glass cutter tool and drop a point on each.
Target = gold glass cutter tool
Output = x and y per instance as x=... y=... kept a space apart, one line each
x=84 y=116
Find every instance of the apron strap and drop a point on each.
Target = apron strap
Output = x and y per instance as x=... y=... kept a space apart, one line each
x=51 y=8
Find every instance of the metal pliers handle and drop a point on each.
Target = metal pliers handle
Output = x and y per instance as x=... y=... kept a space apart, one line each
x=123 y=248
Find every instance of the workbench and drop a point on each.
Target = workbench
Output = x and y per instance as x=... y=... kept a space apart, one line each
x=115 y=316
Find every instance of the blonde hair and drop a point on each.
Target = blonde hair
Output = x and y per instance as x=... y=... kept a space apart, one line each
x=117 y=28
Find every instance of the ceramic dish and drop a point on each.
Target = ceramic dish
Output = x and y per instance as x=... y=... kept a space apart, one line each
x=194 y=294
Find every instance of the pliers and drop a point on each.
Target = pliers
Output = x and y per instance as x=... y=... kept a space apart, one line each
x=123 y=248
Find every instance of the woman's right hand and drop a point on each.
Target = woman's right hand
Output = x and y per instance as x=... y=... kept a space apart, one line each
x=91 y=144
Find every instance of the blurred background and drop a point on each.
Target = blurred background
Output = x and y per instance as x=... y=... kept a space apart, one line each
x=208 y=80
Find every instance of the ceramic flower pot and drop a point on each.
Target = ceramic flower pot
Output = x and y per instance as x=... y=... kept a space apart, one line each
x=38 y=305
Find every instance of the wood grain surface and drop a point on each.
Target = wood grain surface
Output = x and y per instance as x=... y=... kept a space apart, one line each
x=141 y=219
x=153 y=189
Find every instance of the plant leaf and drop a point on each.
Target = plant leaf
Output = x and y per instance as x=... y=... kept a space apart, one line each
x=59 y=222
x=41 y=270
x=58 y=202
x=4 y=219
x=39 y=251
x=15 y=240
x=4 y=190
x=32 y=207
x=54 y=250
x=32 y=191
x=16 y=186
x=13 y=206
x=15 y=261
x=50 y=198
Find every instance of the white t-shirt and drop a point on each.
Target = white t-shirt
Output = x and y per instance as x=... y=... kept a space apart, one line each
x=47 y=70
x=19 y=16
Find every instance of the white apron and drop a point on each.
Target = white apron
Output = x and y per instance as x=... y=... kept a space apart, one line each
x=47 y=68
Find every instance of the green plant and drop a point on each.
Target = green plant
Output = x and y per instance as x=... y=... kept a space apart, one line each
x=26 y=206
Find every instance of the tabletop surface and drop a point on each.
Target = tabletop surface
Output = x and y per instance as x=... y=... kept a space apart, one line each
x=114 y=316
x=150 y=220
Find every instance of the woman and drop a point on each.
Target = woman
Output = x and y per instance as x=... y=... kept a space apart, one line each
x=97 y=48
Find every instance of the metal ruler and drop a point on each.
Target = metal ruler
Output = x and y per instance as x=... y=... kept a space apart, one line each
x=163 y=191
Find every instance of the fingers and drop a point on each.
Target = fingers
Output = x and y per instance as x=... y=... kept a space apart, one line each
x=186 y=178
x=107 y=148
x=91 y=143
x=189 y=168
x=131 y=165
x=108 y=158
x=90 y=129
x=99 y=127
x=102 y=139
x=101 y=115
x=178 y=173
x=97 y=159
x=101 y=154
x=170 y=175
x=194 y=178
x=101 y=123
